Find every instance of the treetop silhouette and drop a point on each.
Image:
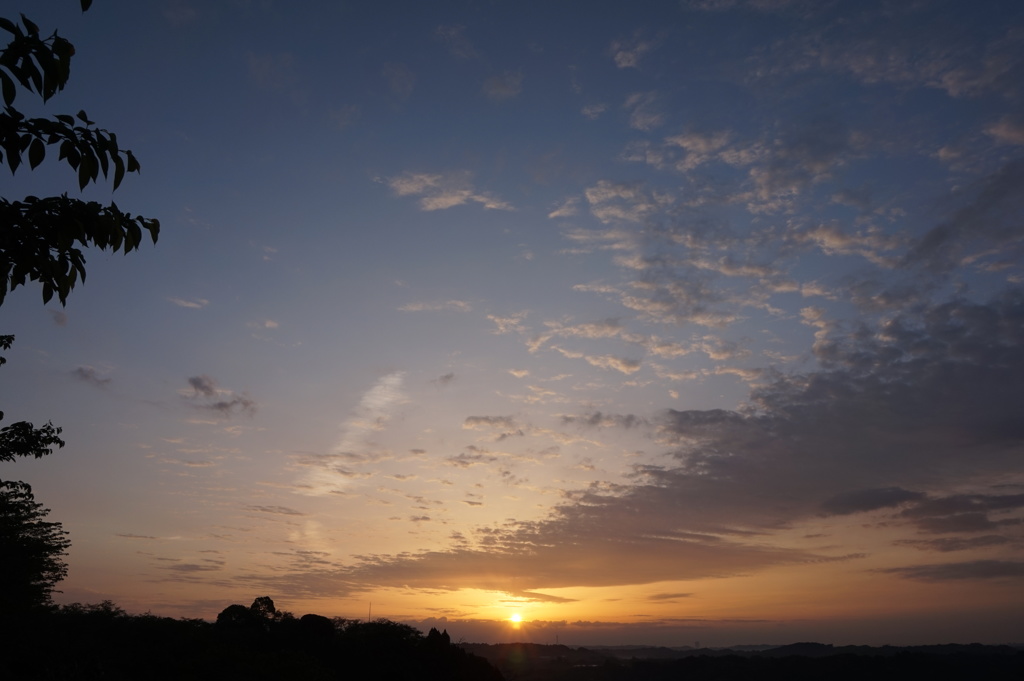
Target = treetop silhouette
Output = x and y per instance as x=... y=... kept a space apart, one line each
x=41 y=238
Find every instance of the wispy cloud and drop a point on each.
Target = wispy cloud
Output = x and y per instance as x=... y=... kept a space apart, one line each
x=401 y=79
x=333 y=473
x=957 y=572
x=503 y=86
x=645 y=111
x=195 y=303
x=628 y=53
x=441 y=191
x=453 y=37
x=457 y=305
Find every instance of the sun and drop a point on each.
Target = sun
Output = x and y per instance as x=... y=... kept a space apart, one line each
x=515 y=618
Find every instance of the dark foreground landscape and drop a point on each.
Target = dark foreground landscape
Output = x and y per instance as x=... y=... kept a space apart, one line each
x=801 y=661
x=260 y=642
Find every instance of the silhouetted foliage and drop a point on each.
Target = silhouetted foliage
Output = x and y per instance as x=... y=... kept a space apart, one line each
x=32 y=549
x=40 y=238
x=384 y=648
x=316 y=629
x=263 y=607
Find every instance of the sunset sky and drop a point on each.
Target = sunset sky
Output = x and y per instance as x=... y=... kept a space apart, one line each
x=645 y=322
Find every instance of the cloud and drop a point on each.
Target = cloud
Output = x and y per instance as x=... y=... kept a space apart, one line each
x=545 y=563
x=963 y=512
x=134 y=536
x=327 y=474
x=203 y=385
x=401 y=80
x=645 y=111
x=90 y=375
x=989 y=218
x=886 y=415
x=567 y=209
x=1008 y=130
x=627 y=53
x=956 y=572
x=805 y=154
x=868 y=500
x=622 y=202
x=510 y=324
x=208 y=396
x=948 y=544
x=195 y=304
x=505 y=426
x=833 y=240
x=458 y=305
x=668 y=596
x=917 y=45
x=621 y=364
x=442 y=191
x=504 y=86
x=276 y=510
x=193 y=567
x=469 y=460
x=454 y=38
x=500 y=427
x=608 y=328
x=597 y=419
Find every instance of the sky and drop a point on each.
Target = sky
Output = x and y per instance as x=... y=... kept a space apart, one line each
x=648 y=322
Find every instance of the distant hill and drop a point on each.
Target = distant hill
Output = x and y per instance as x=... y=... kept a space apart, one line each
x=805 y=660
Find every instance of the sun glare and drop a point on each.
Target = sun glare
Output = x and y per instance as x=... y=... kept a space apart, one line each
x=515 y=619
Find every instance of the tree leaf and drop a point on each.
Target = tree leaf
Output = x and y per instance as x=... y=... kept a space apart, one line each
x=9 y=88
x=85 y=170
x=36 y=152
x=33 y=30
x=118 y=171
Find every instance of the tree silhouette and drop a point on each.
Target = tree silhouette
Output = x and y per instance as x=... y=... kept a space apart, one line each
x=32 y=549
x=263 y=607
x=40 y=238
